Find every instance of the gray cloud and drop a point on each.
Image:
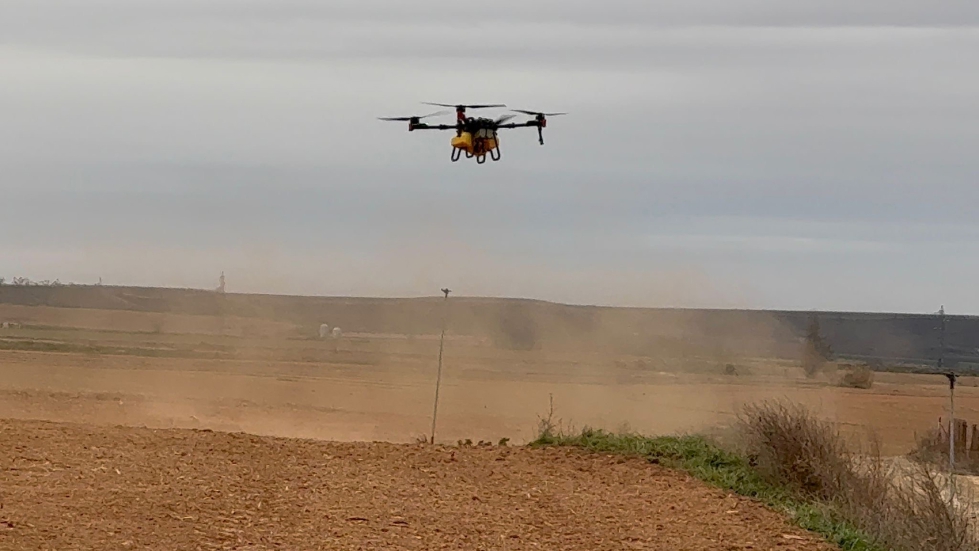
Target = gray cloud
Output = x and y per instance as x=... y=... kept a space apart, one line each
x=619 y=12
x=805 y=154
x=512 y=30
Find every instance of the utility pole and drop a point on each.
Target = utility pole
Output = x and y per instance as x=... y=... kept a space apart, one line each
x=438 y=380
x=942 y=323
x=941 y=337
x=951 y=433
x=222 y=305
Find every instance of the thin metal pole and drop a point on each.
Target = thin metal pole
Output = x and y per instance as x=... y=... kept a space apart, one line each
x=951 y=400
x=941 y=337
x=951 y=434
x=438 y=380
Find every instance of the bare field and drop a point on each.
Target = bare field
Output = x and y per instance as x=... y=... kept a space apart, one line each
x=371 y=388
x=68 y=486
x=106 y=481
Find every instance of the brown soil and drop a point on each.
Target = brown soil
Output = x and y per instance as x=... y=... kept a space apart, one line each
x=67 y=486
x=94 y=485
x=482 y=398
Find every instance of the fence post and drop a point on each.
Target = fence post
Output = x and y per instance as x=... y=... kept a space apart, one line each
x=961 y=436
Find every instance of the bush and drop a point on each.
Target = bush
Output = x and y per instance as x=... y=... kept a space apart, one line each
x=932 y=449
x=706 y=461
x=901 y=508
x=792 y=448
x=858 y=377
x=800 y=464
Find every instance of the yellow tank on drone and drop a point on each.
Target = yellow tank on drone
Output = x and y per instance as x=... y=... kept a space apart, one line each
x=463 y=141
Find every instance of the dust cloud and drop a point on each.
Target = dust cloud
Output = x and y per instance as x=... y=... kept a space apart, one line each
x=267 y=372
x=255 y=363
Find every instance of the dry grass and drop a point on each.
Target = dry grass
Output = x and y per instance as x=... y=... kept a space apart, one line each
x=901 y=508
x=797 y=450
x=932 y=448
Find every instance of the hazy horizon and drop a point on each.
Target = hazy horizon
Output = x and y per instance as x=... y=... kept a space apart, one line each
x=813 y=156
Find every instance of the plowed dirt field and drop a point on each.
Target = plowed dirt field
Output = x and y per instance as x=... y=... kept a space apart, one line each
x=73 y=486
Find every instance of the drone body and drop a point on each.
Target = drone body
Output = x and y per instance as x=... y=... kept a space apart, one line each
x=477 y=137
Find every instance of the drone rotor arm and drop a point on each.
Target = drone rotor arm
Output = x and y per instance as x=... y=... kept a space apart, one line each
x=529 y=124
x=517 y=125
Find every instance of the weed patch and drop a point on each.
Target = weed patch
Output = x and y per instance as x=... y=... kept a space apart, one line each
x=709 y=463
x=798 y=464
x=903 y=508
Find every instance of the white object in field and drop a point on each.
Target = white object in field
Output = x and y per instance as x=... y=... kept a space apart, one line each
x=6 y=325
x=337 y=333
x=324 y=331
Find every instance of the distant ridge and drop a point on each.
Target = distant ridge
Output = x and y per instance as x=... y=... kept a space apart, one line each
x=529 y=323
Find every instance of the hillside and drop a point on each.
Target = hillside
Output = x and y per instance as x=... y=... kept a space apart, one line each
x=518 y=323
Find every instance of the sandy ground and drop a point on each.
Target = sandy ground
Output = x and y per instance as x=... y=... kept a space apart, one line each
x=69 y=486
x=383 y=403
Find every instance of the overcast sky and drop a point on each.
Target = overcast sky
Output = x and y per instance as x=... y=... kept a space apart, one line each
x=734 y=153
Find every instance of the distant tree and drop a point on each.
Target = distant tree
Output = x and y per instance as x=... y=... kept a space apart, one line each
x=26 y=282
x=816 y=351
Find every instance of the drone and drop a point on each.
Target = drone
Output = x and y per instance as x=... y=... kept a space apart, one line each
x=476 y=136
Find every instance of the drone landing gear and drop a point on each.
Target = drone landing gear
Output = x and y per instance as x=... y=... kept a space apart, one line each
x=494 y=154
x=480 y=156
